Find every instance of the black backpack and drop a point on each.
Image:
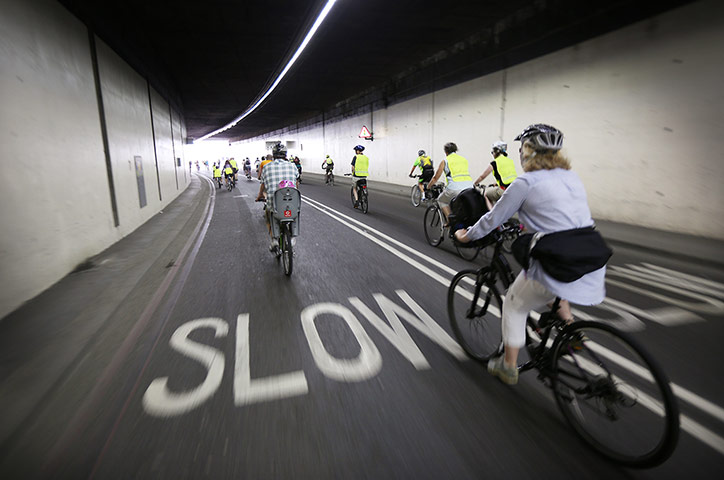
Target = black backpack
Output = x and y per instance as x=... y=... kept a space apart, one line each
x=467 y=208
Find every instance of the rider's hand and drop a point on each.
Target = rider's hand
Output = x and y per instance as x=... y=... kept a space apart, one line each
x=462 y=236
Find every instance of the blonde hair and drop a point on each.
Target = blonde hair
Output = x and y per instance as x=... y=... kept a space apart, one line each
x=542 y=159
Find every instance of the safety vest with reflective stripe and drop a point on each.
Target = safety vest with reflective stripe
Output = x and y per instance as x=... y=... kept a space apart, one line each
x=361 y=166
x=233 y=163
x=217 y=172
x=458 y=166
x=504 y=171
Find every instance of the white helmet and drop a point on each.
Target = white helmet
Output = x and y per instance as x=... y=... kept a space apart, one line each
x=502 y=146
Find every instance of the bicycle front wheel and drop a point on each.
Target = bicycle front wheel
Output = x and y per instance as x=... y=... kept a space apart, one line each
x=474 y=309
x=614 y=395
x=415 y=196
x=287 y=253
x=467 y=253
x=434 y=225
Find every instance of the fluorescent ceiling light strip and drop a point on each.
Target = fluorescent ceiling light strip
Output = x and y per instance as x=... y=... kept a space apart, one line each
x=299 y=51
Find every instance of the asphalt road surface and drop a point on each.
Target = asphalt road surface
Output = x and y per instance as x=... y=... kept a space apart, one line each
x=348 y=368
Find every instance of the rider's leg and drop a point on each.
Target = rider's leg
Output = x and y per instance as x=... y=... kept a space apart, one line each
x=524 y=295
x=354 y=190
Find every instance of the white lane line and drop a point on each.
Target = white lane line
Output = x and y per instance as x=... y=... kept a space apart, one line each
x=401 y=245
x=684 y=394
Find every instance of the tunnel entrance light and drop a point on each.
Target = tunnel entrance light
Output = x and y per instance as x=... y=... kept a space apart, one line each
x=320 y=18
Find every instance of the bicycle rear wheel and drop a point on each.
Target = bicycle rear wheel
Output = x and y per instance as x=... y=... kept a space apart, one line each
x=415 y=196
x=287 y=253
x=434 y=225
x=363 y=201
x=474 y=309
x=614 y=395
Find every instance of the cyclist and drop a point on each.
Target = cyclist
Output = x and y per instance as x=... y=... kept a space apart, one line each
x=426 y=170
x=273 y=174
x=328 y=167
x=298 y=164
x=247 y=167
x=228 y=172
x=360 y=170
x=217 y=175
x=234 y=166
x=503 y=168
x=455 y=167
x=549 y=198
x=264 y=161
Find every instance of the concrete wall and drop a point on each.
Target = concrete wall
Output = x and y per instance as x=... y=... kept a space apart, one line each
x=641 y=108
x=55 y=200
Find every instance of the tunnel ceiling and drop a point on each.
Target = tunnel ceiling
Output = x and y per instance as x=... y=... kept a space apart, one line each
x=213 y=58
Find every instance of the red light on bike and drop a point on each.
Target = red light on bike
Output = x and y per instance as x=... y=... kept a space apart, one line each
x=364 y=186
x=288 y=213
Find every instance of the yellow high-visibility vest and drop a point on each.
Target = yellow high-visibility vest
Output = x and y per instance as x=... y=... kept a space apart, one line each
x=504 y=171
x=361 y=166
x=458 y=166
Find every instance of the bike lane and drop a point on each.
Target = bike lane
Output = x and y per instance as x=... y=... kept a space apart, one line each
x=411 y=408
x=347 y=369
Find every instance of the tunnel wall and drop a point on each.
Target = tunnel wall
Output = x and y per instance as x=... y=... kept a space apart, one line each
x=641 y=108
x=55 y=195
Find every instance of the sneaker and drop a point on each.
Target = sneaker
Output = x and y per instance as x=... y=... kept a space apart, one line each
x=498 y=368
x=294 y=241
x=356 y=204
x=273 y=245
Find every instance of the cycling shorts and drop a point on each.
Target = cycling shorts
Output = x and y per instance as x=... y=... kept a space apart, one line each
x=426 y=175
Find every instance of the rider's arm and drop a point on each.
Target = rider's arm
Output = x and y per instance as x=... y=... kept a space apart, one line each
x=508 y=204
x=484 y=174
x=440 y=170
x=261 y=192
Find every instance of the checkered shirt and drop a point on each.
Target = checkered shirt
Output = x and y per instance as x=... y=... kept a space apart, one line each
x=275 y=172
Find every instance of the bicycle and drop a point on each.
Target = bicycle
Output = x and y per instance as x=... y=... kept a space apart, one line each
x=434 y=226
x=230 y=183
x=284 y=220
x=361 y=185
x=608 y=388
x=328 y=176
x=416 y=195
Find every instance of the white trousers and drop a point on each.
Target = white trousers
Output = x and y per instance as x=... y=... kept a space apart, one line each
x=523 y=296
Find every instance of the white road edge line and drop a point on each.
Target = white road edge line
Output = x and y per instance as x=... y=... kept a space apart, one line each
x=694 y=429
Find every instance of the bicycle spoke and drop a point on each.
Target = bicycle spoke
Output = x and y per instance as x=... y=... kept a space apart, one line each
x=614 y=395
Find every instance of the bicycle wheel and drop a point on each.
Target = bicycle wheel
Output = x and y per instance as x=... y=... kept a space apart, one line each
x=363 y=201
x=286 y=246
x=474 y=312
x=415 y=196
x=434 y=225
x=614 y=395
x=331 y=179
x=467 y=253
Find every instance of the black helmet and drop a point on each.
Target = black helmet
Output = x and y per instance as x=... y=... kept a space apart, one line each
x=359 y=148
x=279 y=151
x=542 y=136
x=420 y=153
